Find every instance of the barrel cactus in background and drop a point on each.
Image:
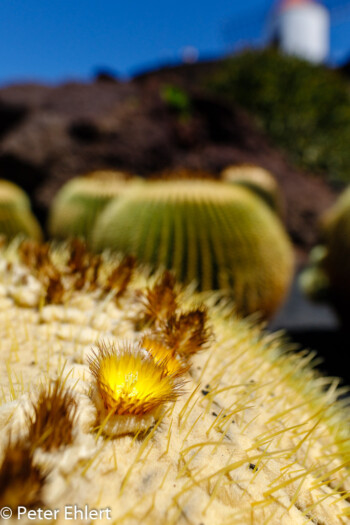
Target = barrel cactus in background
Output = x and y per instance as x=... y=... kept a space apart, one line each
x=314 y=280
x=327 y=276
x=224 y=426
x=220 y=235
x=80 y=201
x=257 y=179
x=16 y=217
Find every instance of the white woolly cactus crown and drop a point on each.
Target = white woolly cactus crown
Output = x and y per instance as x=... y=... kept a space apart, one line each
x=175 y=411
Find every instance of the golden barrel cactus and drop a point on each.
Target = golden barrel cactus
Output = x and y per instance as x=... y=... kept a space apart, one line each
x=313 y=279
x=80 y=201
x=327 y=275
x=219 y=235
x=258 y=180
x=126 y=401
x=16 y=217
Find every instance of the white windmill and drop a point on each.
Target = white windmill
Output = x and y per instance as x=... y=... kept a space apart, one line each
x=302 y=28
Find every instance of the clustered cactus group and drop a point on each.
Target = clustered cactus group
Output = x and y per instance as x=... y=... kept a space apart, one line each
x=217 y=234
x=125 y=391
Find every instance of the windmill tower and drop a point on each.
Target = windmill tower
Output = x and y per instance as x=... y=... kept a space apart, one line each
x=302 y=28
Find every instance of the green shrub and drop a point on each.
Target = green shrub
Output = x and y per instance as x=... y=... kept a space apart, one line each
x=177 y=99
x=304 y=108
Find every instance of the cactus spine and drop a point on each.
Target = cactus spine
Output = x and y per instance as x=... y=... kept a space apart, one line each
x=253 y=436
x=220 y=235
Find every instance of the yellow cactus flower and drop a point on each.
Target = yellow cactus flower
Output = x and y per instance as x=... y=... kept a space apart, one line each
x=130 y=386
x=165 y=356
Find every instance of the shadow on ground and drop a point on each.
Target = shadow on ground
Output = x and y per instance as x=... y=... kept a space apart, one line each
x=315 y=327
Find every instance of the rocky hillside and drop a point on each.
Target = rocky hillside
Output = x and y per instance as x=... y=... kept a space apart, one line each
x=159 y=120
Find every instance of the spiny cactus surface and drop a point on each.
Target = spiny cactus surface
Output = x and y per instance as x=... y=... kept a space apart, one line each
x=80 y=201
x=16 y=217
x=258 y=180
x=219 y=235
x=170 y=421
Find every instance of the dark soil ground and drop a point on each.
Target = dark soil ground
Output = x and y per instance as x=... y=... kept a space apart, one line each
x=315 y=326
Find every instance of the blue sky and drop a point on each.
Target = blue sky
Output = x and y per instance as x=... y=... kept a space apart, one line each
x=55 y=40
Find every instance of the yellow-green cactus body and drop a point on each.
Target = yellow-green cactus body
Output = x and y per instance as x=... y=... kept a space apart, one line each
x=220 y=235
x=313 y=280
x=80 y=201
x=16 y=217
x=258 y=180
x=336 y=261
x=256 y=437
x=326 y=277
